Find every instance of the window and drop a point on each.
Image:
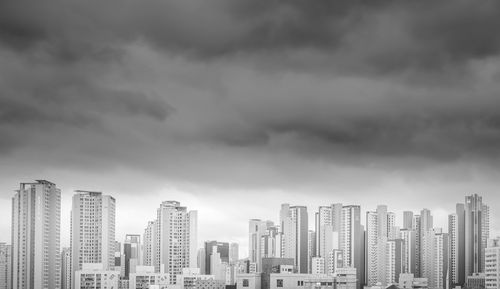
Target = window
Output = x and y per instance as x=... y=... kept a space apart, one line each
x=245 y=283
x=279 y=283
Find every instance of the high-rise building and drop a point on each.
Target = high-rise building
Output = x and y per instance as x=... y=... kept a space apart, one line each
x=92 y=230
x=311 y=248
x=476 y=233
x=425 y=226
x=5 y=255
x=492 y=264
x=393 y=261
x=220 y=247
x=234 y=253
x=408 y=220
x=36 y=219
x=175 y=240
x=456 y=231
x=409 y=243
x=149 y=240
x=66 y=268
x=270 y=242
x=132 y=253
x=380 y=228
x=256 y=229
x=327 y=225
x=294 y=226
x=352 y=240
x=439 y=260
x=416 y=228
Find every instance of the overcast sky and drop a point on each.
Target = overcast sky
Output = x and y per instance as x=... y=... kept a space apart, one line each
x=234 y=107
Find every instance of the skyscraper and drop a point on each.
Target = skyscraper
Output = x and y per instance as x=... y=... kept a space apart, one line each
x=294 y=225
x=66 y=268
x=92 y=230
x=5 y=254
x=409 y=243
x=176 y=245
x=256 y=229
x=352 y=240
x=476 y=233
x=456 y=231
x=380 y=228
x=132 y=251
x=408 y=220
x=149 y=240
x=36 y=218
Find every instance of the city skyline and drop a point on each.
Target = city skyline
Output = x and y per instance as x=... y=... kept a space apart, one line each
x=440 y=220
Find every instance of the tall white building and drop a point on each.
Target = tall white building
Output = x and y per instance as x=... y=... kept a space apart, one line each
x=408 y=220
x=456 y=230
x=66 y=268
x=149 y=240
x=294 y=225
x=36 y=219
x=380 y=228
x=92 y=230
x=492 y=264
x=394 y=251
x=5 y=254
x=176 y=239
x=408 y=237
x=352 y=240
x=256 y=230
x=425 y=225
x=327 y=224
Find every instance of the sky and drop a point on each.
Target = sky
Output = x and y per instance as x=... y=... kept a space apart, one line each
x=234 y=107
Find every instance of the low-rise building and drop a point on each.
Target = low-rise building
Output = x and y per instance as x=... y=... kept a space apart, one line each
x=93 y=276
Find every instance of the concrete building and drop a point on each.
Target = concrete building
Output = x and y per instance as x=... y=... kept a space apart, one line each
x=5 y=270
x=248 y=280
x=94 y=276
x=36 y=220
x=409 y=242
x=476 y=233
x=149 y=240
x=327 y=227
x=334 y=261
x=234 y=253
x=456 y=231
x=318 y=266
x=393 y=261
x=275 y=265
x=256 y=229
x=212 y=247
x=311 y=248
x=301 y=281
x=476 y=281
x=192 y=279
x=408 y=281
x=408 y=220
x=145 y=276
x=132 y=253
x=66 y=268
x=294 y=226
x=425 y=224
x=92 y=230
x=345 y=278
x=176 y=239
x=492 y=264
x=352 y=241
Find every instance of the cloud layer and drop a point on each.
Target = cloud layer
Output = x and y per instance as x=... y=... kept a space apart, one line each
x=253 y=94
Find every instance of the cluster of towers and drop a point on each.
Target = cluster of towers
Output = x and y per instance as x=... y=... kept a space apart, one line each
x=380 y=250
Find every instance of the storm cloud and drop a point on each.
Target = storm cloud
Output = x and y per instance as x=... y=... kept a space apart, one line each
x=281 y=96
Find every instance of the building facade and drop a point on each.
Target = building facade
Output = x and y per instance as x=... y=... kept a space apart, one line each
x=36 y=219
